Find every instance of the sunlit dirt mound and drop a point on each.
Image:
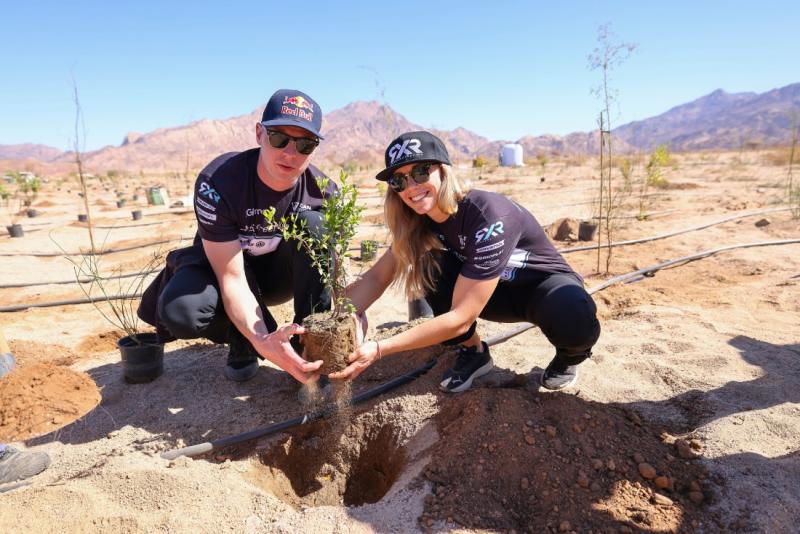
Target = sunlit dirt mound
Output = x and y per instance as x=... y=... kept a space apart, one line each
x=38 y=398
x=99 y=343
x=511 y=459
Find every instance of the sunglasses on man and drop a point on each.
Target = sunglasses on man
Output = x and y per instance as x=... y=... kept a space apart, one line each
x=304 y=145
x=420 y=173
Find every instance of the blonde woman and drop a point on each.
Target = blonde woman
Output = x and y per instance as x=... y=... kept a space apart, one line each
x=470 y=254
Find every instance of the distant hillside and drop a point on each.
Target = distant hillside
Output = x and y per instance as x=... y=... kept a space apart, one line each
x=29 y=151
x=359 y=132
x=720 y=120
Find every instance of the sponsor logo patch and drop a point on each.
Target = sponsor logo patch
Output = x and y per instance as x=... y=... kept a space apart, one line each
x=488 y=256
x=493 y=246
x=508 y=274
x=206 y=215
x=209 y=192
x=487 y=264
x=299 y=107
x=200 y=202
x=485 y=234
x=408 y=148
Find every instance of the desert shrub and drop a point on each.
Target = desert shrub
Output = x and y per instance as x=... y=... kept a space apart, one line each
x=479 y=162
x=659 y=159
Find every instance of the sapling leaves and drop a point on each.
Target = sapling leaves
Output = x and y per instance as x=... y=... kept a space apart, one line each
x=340 y=217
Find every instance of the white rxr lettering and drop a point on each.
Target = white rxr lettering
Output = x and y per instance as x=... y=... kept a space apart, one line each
x=485 y=234
x=399 y=151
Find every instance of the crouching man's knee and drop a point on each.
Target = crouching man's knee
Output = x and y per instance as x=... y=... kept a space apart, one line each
x=188 y=316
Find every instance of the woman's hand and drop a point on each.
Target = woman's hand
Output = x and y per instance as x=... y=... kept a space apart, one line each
x=360 y=359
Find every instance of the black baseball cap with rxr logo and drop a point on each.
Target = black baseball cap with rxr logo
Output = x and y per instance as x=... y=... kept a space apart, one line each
x=413 y=147
x=288 y=107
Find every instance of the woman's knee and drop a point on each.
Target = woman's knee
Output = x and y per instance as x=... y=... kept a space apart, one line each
x=569 y=318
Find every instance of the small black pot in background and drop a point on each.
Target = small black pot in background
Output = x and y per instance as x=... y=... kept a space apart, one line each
x=141 y=362
x=32 y=213
x=136 y=214
x=587 y=230
x=82 y=217
x=15 y=230
x=369 y=249
x=121 y=203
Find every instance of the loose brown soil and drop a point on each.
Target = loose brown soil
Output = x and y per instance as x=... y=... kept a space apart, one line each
x=511 y=459
x=329 y=339
x=39 y=398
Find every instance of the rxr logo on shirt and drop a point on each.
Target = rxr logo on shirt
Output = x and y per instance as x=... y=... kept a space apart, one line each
x=209 y=192
x=408 y=148
x=485 y=234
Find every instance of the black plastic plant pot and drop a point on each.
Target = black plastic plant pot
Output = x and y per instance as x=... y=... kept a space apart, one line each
x=136 y=214
x=32 y=213
x=587 y=230
x=82 y=217
x=15 y=230
x=121 y=203
x=143 y=361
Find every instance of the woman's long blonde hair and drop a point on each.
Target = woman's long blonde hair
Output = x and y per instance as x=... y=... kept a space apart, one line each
x=415 y=248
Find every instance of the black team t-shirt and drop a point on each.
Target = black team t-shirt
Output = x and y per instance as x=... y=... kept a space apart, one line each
x=494 y=236
x=230 y=199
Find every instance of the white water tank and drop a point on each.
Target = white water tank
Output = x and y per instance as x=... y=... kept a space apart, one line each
x=511 y=155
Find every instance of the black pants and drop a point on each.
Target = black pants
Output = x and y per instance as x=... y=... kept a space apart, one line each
x=190 y=305
x=556 y=303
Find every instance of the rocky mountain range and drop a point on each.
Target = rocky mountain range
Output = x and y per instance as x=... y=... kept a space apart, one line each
x=357 y=133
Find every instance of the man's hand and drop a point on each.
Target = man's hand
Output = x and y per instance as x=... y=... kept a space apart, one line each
x=360 y=359
x=276 y=348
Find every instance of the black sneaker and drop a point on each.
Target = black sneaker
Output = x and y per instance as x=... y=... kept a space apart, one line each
x=562 y=371
x=242 y=364
x=470 y=364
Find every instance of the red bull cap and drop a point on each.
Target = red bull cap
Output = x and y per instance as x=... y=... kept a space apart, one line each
x=289 y=107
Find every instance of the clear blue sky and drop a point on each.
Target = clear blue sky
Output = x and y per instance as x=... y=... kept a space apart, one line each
x=501 y=69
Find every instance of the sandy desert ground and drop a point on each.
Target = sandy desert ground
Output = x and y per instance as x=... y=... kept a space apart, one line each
x=697 y=373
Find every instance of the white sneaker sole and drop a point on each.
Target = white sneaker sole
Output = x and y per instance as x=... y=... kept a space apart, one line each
x=568 y=384
x=468 y=383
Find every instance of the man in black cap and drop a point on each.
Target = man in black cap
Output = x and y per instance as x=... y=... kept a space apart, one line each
x=221 y=286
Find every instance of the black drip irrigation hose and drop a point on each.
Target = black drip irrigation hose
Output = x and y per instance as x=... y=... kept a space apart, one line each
x=80 y=280
x=672 y=234
x=317 y=415
x=634 y=276
x=20 y=307
x=100 y=253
